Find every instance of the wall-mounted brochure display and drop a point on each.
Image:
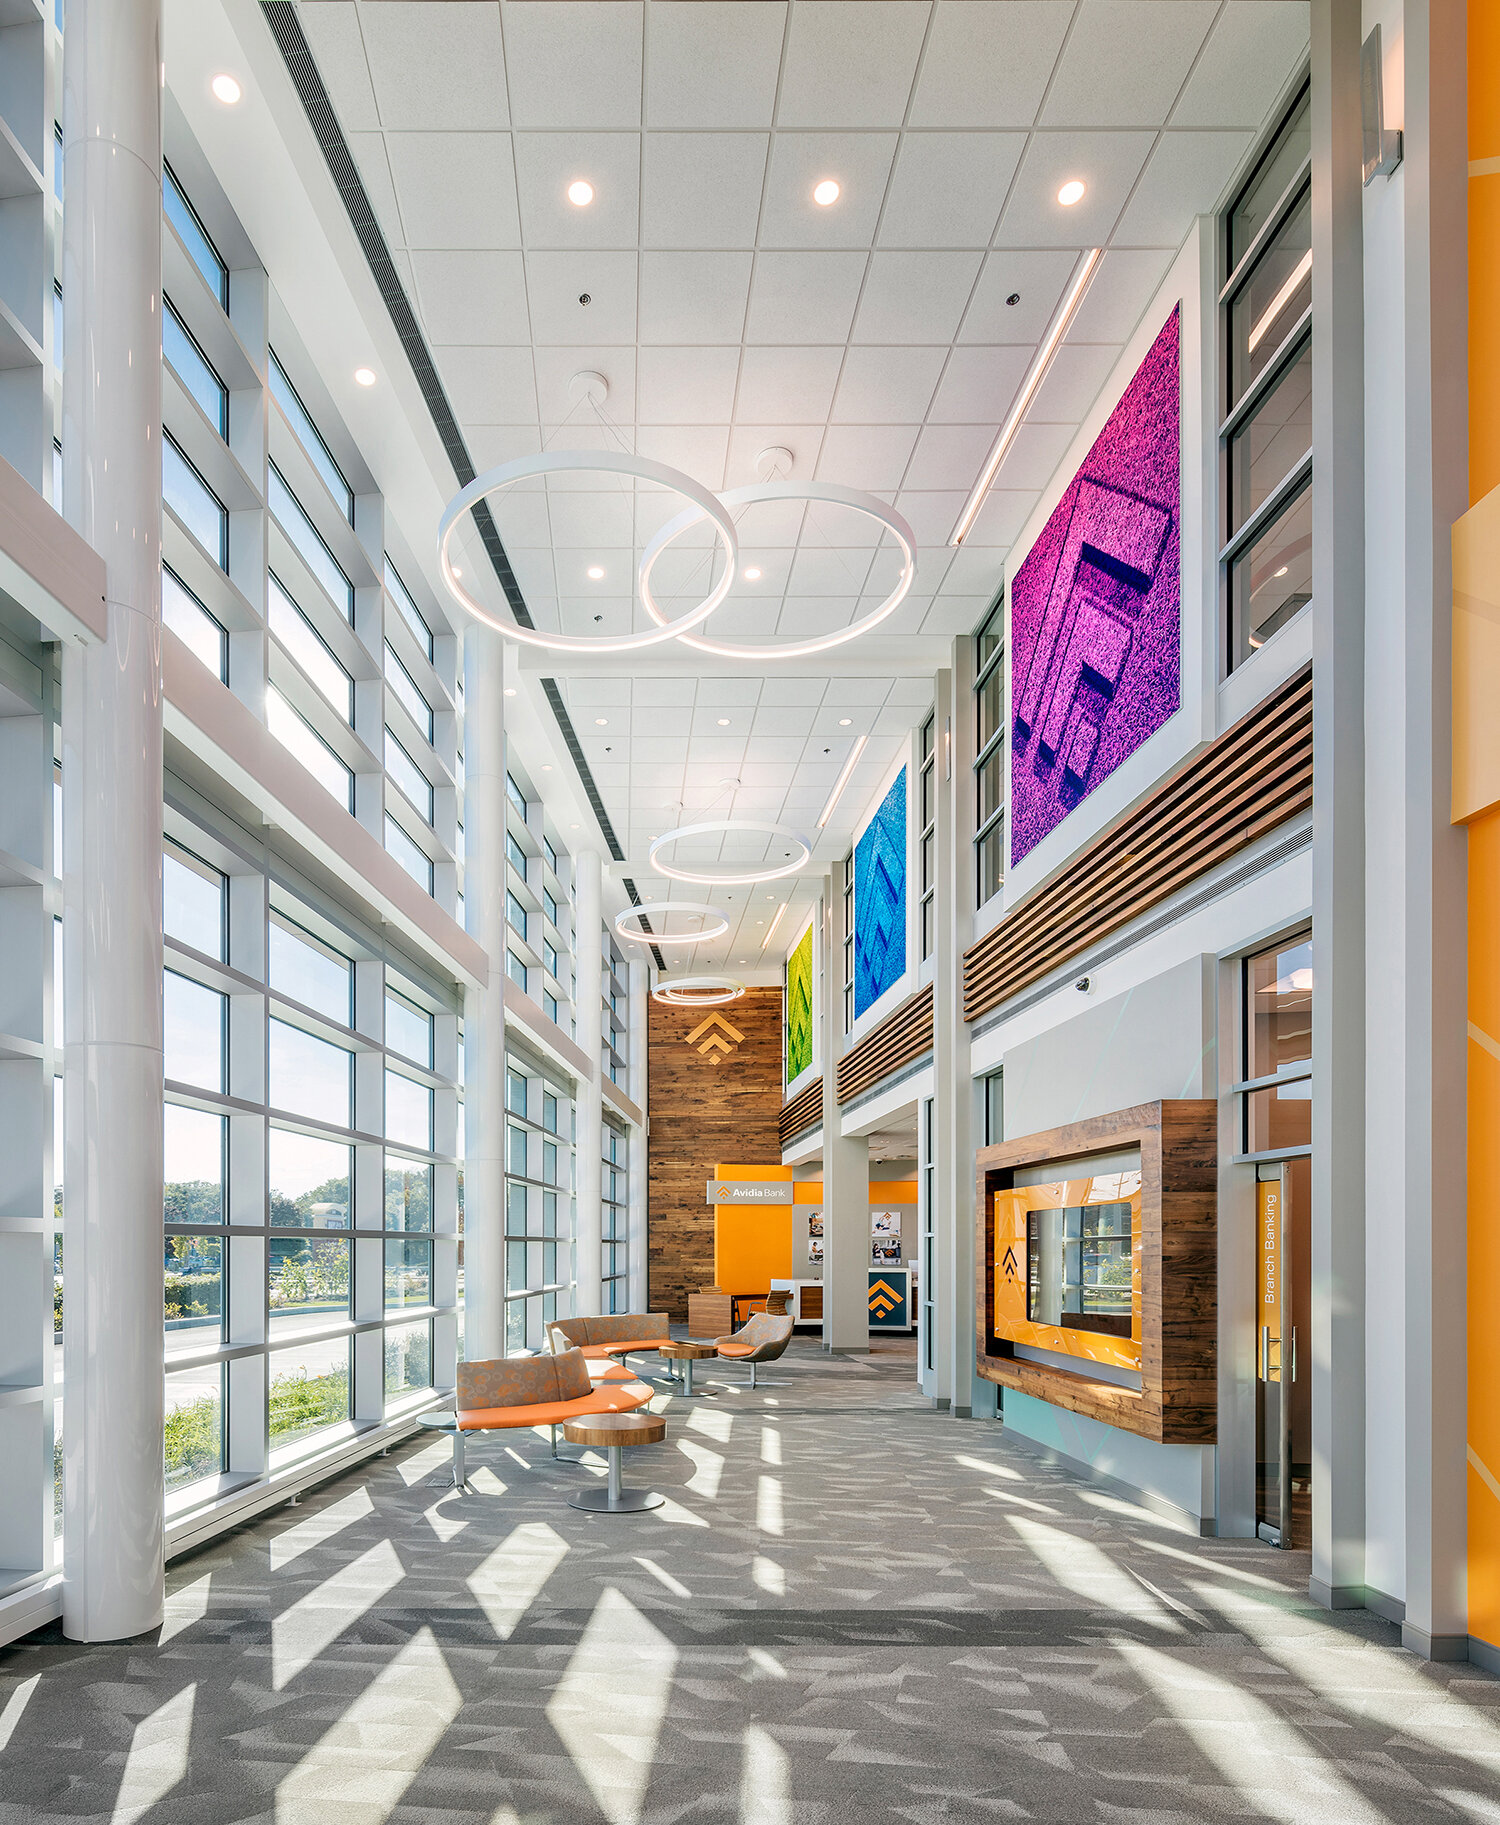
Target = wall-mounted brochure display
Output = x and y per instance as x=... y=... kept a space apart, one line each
x=1067 y=1265
x=1098 y=1254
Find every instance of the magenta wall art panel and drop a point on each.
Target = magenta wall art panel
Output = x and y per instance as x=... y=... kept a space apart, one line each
x=1095 y=610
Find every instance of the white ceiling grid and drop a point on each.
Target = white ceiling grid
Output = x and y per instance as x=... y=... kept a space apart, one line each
x=873 y=339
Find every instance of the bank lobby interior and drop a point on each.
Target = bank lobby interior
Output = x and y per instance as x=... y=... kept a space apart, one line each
x=750 y=828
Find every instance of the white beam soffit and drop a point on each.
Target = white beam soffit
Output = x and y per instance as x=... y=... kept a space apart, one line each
x=286 y=29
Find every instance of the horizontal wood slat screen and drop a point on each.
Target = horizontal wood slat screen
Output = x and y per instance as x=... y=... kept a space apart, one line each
x=904 y=1034
x=804 y=1111
x=1254 y=777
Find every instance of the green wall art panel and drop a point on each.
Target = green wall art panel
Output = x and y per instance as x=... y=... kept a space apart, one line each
x=799 y=1008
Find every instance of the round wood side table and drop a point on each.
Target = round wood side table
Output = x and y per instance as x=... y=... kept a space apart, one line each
x=687 y=1354
x=609 y=1432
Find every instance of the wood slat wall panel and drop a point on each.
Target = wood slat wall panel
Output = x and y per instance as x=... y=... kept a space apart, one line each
x=803 y=1111
x=905 y=1034
x=1254 y=777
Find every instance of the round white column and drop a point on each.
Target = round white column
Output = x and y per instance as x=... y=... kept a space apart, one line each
x=484 y=1009
x=640 y=1014
x=588 y=996
x=112 y=827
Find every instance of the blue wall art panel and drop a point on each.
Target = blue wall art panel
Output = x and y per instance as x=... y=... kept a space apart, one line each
x=880 y=899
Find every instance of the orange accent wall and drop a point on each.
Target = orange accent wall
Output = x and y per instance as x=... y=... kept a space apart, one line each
x=752 y=1246
x=1484 y=861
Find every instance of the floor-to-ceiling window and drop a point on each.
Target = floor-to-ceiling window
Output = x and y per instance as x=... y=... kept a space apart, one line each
x=614 y=1263
x=539 y=1201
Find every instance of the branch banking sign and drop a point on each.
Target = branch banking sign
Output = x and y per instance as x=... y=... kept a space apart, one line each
x=1095 y=634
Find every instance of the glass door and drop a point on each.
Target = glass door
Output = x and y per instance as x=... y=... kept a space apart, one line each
x=1283 y=1408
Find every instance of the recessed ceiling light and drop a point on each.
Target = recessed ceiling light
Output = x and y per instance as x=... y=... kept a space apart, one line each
x=456 y=571
x=580 y=193
x=723 y=722
x=595 y=572
x=844 y=721
x=1071 y=192
x=1280 y=573
x=365 y=376
x=572 y=826
x=752 y=575
x=510 y=690
x=548 y=770
x=826 y=192
x=226 y=89
x=601 y=722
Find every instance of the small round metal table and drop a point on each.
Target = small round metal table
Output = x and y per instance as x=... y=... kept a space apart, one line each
x=687 y=1354
x=447 y=1422
x=609 y=1432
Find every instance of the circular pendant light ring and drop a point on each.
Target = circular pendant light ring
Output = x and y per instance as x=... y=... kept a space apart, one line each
x=706 y=505
x=698 y=991
x=830 y=493
x=652 y=909
x=729 y=826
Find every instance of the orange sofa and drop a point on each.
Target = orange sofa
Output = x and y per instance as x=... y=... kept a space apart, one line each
x=620 y=1334
x=522 y=1391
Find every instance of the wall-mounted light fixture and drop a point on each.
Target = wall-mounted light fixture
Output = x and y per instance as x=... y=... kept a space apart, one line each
x=1381 y=144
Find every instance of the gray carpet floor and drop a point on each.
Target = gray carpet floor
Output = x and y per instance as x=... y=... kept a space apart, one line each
x=850 y=1608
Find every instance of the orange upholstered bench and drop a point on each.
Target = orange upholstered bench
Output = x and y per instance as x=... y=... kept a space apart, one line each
x=522 y=1391
x=616 y=1334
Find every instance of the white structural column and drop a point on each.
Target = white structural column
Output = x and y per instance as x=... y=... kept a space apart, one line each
x=112 y=826
x=953 y=1139
x=639 y=1181
x=1338 y=569
x=846 y=1166
x=588 y=997
x=484 y=1008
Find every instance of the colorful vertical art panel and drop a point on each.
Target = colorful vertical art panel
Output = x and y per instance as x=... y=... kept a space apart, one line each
x=799 y=1007
x=1095 y=610
x=880 y=899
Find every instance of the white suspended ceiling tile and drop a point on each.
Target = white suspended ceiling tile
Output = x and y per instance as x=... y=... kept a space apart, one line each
x=859 y=162
x=915 y=297
x=493 y=444
x=975 y=571
x=767 y=776
x=886 y=386
x=555 y=369
x=932 y=516
x=694 y=297
x=712 y=64
x=436 y=60
x=1034 y=455
x=333 y=34
x=782 y=722
x=1108 y=163
x=948 y=188
x=1124 y=283
x=987 y=62
x=864 y=691
x=1185 y=177
x=746 y=442
x=471 y=297
x=661 y=693
x=722 y=748
x=911 y=692
x=1125 y=62
x=702 y=189
x=842 y=575
x=949 y=456
x=979 y=384
x=804 y=297
x=455 y=189
x=721 y=694
x=574 y=63
x=698 y=450
x=1000 y=520
x=779 y=750
x=489 y=386
x=373 y=163
x=557 y=282
x=873 y=457
x=1072 y=383
x=1036 y=279
x=850 y=63
x=586 y=693
x=687 y=386
x=1251 y=52
x=547 y=163
x=783 y=691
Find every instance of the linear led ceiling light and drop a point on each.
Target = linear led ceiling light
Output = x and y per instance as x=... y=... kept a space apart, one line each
x=774 y=923
x=843 y=779
x=663 y=909
x=698 y=991
x=830 y=493
x=616 y=462
x=1035 y=374
x=727 y=826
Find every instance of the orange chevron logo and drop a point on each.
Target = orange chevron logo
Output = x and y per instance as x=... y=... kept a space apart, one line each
x=721 y=1038
x=884 y=1299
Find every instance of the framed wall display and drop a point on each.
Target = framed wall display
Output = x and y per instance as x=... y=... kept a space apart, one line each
x=880 y=899
x=799 y=1020
x=1097 y=1243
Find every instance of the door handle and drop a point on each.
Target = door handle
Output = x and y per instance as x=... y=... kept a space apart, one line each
x=1265 y=1352
x=1294 y=1352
